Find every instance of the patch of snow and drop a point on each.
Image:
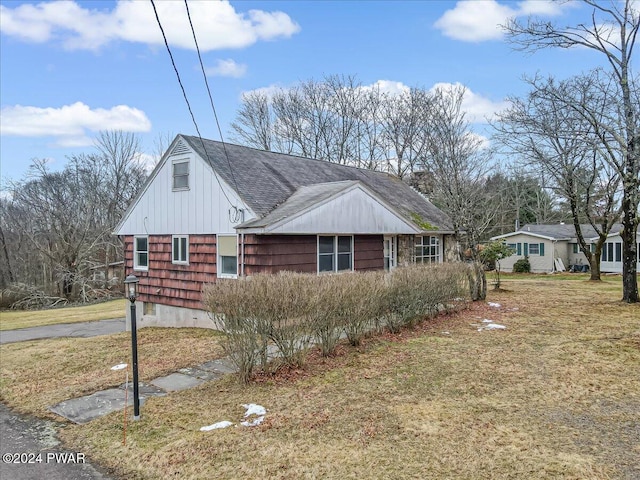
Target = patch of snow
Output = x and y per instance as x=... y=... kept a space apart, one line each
x=120 y=366
x=494 y=304
x=253 y=409
x=446 y=333
x=215 y=426
x=256 y=422
x=486 y=320
x=495 y=326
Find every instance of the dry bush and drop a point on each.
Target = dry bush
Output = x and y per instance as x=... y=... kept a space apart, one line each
x=282 y=302
x=327 y=298
x=290 y=311
x=364 y=306
x=231 y=304
x=20 y=296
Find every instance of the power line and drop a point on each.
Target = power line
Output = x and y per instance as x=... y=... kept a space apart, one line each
x=206 y=82
x=184 y=94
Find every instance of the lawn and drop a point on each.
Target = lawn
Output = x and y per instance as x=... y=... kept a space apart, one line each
x=554 y=395
x=12 y=319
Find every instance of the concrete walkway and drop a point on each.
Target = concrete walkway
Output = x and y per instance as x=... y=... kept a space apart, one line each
x=87 y=408
x=80 y=329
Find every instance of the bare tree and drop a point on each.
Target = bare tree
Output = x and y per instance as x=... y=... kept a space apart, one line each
x=405 y=129
x=558 y=141
x=460 y=166
x=611 y=32
x=62 y=222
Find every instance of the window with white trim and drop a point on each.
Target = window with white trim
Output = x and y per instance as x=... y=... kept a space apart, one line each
x=141 y=253
x=335 y=253
x=227 y=248
x=180 y=249
x=180 y=175
x=427 y=249
x=389 y=252
x=512 y=247
x=534 y=249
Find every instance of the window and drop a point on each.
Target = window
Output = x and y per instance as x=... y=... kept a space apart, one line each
x=427 y=249
x=149 y=308
x=180 y=249
x=181 y=175
x=618 y=252
x=140 y=253
x=607 y=252
x=575 y=247
x=227 y=256
x=389 y=253
x=534 y=249
x=335 y=253
x=512 y=247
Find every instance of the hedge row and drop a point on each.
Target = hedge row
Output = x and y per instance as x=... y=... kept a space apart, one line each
x=270 y=320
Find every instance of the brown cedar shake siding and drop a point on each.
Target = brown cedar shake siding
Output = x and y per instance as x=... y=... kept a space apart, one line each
x=171 y=284
x=181 y=285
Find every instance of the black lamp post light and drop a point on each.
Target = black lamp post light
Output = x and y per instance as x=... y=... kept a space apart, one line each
x=131 y=284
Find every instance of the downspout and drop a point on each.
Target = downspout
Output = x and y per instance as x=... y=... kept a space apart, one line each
x=242 y=254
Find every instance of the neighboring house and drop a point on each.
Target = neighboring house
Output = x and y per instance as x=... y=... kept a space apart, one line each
x=211 y=210
x=547 y=245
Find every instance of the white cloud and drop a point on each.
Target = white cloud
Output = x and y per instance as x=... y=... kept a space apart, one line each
x=217 y=24
x=148 y=162
x=70 y=123
x=479 y=109
x=227 y=68
x=480 y=20
x=388 y=86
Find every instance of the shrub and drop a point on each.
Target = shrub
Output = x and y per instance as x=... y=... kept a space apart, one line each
x=272 y=320
x=522 y=266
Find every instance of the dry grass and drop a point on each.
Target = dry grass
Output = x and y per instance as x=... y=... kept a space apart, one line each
x=556 y=395
x=41 y=373
x=10 y=319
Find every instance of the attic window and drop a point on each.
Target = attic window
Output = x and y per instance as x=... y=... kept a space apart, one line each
x=181 y=175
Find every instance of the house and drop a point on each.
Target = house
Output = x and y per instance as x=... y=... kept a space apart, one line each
x=211 y=210
x=551 y=248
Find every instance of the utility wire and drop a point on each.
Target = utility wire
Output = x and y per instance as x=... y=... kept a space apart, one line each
x=184 y=94
x=206 y=82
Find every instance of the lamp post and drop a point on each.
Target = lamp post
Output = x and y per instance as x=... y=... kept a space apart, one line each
x=131 y=284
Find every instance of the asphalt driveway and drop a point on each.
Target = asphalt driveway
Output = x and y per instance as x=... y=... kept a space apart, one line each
x=80 y=329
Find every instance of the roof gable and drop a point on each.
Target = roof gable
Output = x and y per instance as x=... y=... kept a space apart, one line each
x=264 y=180
x=311 y=209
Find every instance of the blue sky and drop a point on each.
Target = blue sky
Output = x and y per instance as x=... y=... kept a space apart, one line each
x=70 y=69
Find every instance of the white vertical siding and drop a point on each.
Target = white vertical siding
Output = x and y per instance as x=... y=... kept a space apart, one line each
x=353 y=212
x=539 y=263
x=203 y=208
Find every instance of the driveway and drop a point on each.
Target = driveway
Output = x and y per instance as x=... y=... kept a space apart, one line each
x=29 y=450
x=80 y=329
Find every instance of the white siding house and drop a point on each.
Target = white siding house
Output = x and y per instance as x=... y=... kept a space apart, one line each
x=559 y=243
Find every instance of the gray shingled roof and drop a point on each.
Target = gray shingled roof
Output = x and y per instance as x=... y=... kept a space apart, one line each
x=561 y=231
x=266 y=180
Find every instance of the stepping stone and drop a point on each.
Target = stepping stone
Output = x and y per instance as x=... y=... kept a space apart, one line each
x=205 y=375
x=220 y=365
x=176 y=382
x=84 y=409
x=145 y=389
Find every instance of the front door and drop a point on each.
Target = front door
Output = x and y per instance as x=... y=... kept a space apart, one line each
x=390 y=256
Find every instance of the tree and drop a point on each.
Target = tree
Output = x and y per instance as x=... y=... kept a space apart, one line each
x=611 y=32
x=61 y=223
x=493 y=253
x=558 y=141
x=459 y=166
